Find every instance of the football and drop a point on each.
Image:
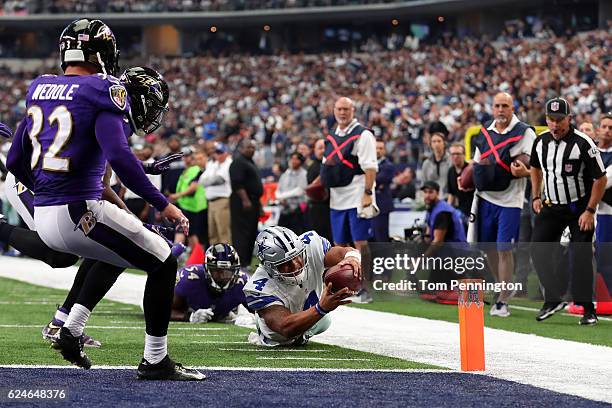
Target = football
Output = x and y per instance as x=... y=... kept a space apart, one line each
x=467 y=177
x=315 y=191
x=342 y=277
x=524 y=158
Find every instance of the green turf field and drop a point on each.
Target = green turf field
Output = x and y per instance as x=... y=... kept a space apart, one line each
x=25 y=309
x=559 y=326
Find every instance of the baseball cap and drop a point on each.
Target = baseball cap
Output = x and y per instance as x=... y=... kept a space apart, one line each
x=220 y=147
x=430 y=185
x=557 y=108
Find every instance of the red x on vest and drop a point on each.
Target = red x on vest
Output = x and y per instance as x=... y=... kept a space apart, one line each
x=493 y=148
x=337 y=149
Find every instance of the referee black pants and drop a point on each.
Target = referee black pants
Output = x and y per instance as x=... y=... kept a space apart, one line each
x=545 y=250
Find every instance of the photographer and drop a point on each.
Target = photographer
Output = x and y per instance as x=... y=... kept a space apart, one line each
x=444 y=225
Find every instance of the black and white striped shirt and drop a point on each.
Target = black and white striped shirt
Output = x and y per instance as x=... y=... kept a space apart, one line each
x=569 y=165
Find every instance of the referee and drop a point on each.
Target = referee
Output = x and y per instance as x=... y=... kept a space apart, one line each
x=568 y=165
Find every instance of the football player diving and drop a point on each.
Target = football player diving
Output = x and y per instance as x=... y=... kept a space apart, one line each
x=74 y=125
x=212 y=291
x=287 y=291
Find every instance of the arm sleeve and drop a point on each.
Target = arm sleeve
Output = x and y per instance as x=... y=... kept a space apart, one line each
x=385 y=175
x=259 y=300
x=593 y=162
x=366 y=151
x=112 y=141
x=609 y=175
x=19 y=156
x=211 y=178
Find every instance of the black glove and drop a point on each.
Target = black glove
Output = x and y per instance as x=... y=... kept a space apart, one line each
x=160 y=166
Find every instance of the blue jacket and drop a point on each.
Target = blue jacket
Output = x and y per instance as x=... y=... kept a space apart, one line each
x=384 y=177
x=458 y=230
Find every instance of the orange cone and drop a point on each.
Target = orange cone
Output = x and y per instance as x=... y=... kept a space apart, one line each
x=603 y=300
x=602 y=295
x=471 y=325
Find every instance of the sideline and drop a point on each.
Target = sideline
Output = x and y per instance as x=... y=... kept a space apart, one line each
x=558 y=365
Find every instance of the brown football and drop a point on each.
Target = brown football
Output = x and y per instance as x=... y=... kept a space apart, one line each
x=342 y=277
x=467 y=177
x=316 y=191
x=524 y=158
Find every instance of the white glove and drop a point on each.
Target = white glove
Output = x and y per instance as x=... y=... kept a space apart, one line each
x=245 y=320
x=368 y=212
x=201 y=316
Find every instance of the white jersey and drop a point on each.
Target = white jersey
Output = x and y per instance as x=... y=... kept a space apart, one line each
x=263 y=291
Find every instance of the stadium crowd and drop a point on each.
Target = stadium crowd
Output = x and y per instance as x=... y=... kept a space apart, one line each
x=139 y=6
x=403 y=90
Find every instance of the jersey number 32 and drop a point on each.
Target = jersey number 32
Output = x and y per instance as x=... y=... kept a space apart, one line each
x=51 y=160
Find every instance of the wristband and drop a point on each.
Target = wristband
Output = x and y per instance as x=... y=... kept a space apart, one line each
x=591 y=210
x=353 y=254
x=536 y=198
x=320 y=310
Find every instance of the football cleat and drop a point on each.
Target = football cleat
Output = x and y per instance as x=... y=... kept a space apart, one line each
x=588 y=319
x=167 y=369
x=71 y=348
x=549 y=309
x=51 y=333
x=51 y=330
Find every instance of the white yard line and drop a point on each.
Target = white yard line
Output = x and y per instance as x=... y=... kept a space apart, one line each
x=564 y=366
x=313 y=358
x=274 y=350
x=29 y=326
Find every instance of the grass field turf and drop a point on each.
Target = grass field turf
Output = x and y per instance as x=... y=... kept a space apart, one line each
x=25 y=309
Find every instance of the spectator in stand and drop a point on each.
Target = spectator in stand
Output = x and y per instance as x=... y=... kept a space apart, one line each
x=306 y=152
x=458 y=198
x=218 y=187
x=384 y=199
x=436 y=167
x=191 y=198
x=318 y=210
x=170 y=178
x=588 y=129
x=290 y=194
x=404 y=185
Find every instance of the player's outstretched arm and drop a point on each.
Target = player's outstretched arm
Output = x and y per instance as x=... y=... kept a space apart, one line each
x=344 y=256
x=289 y=325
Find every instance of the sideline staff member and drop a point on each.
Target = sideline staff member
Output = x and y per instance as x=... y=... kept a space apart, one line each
x=569 y=166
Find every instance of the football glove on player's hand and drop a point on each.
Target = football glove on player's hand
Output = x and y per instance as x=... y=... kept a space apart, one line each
x=160 y=166
x=201 y=316
x=5 y=131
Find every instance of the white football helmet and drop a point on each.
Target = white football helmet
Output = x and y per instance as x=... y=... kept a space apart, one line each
x=278 y=245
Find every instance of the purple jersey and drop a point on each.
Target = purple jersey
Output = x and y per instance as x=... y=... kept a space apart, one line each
x=192 y=284
x=67 y=161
